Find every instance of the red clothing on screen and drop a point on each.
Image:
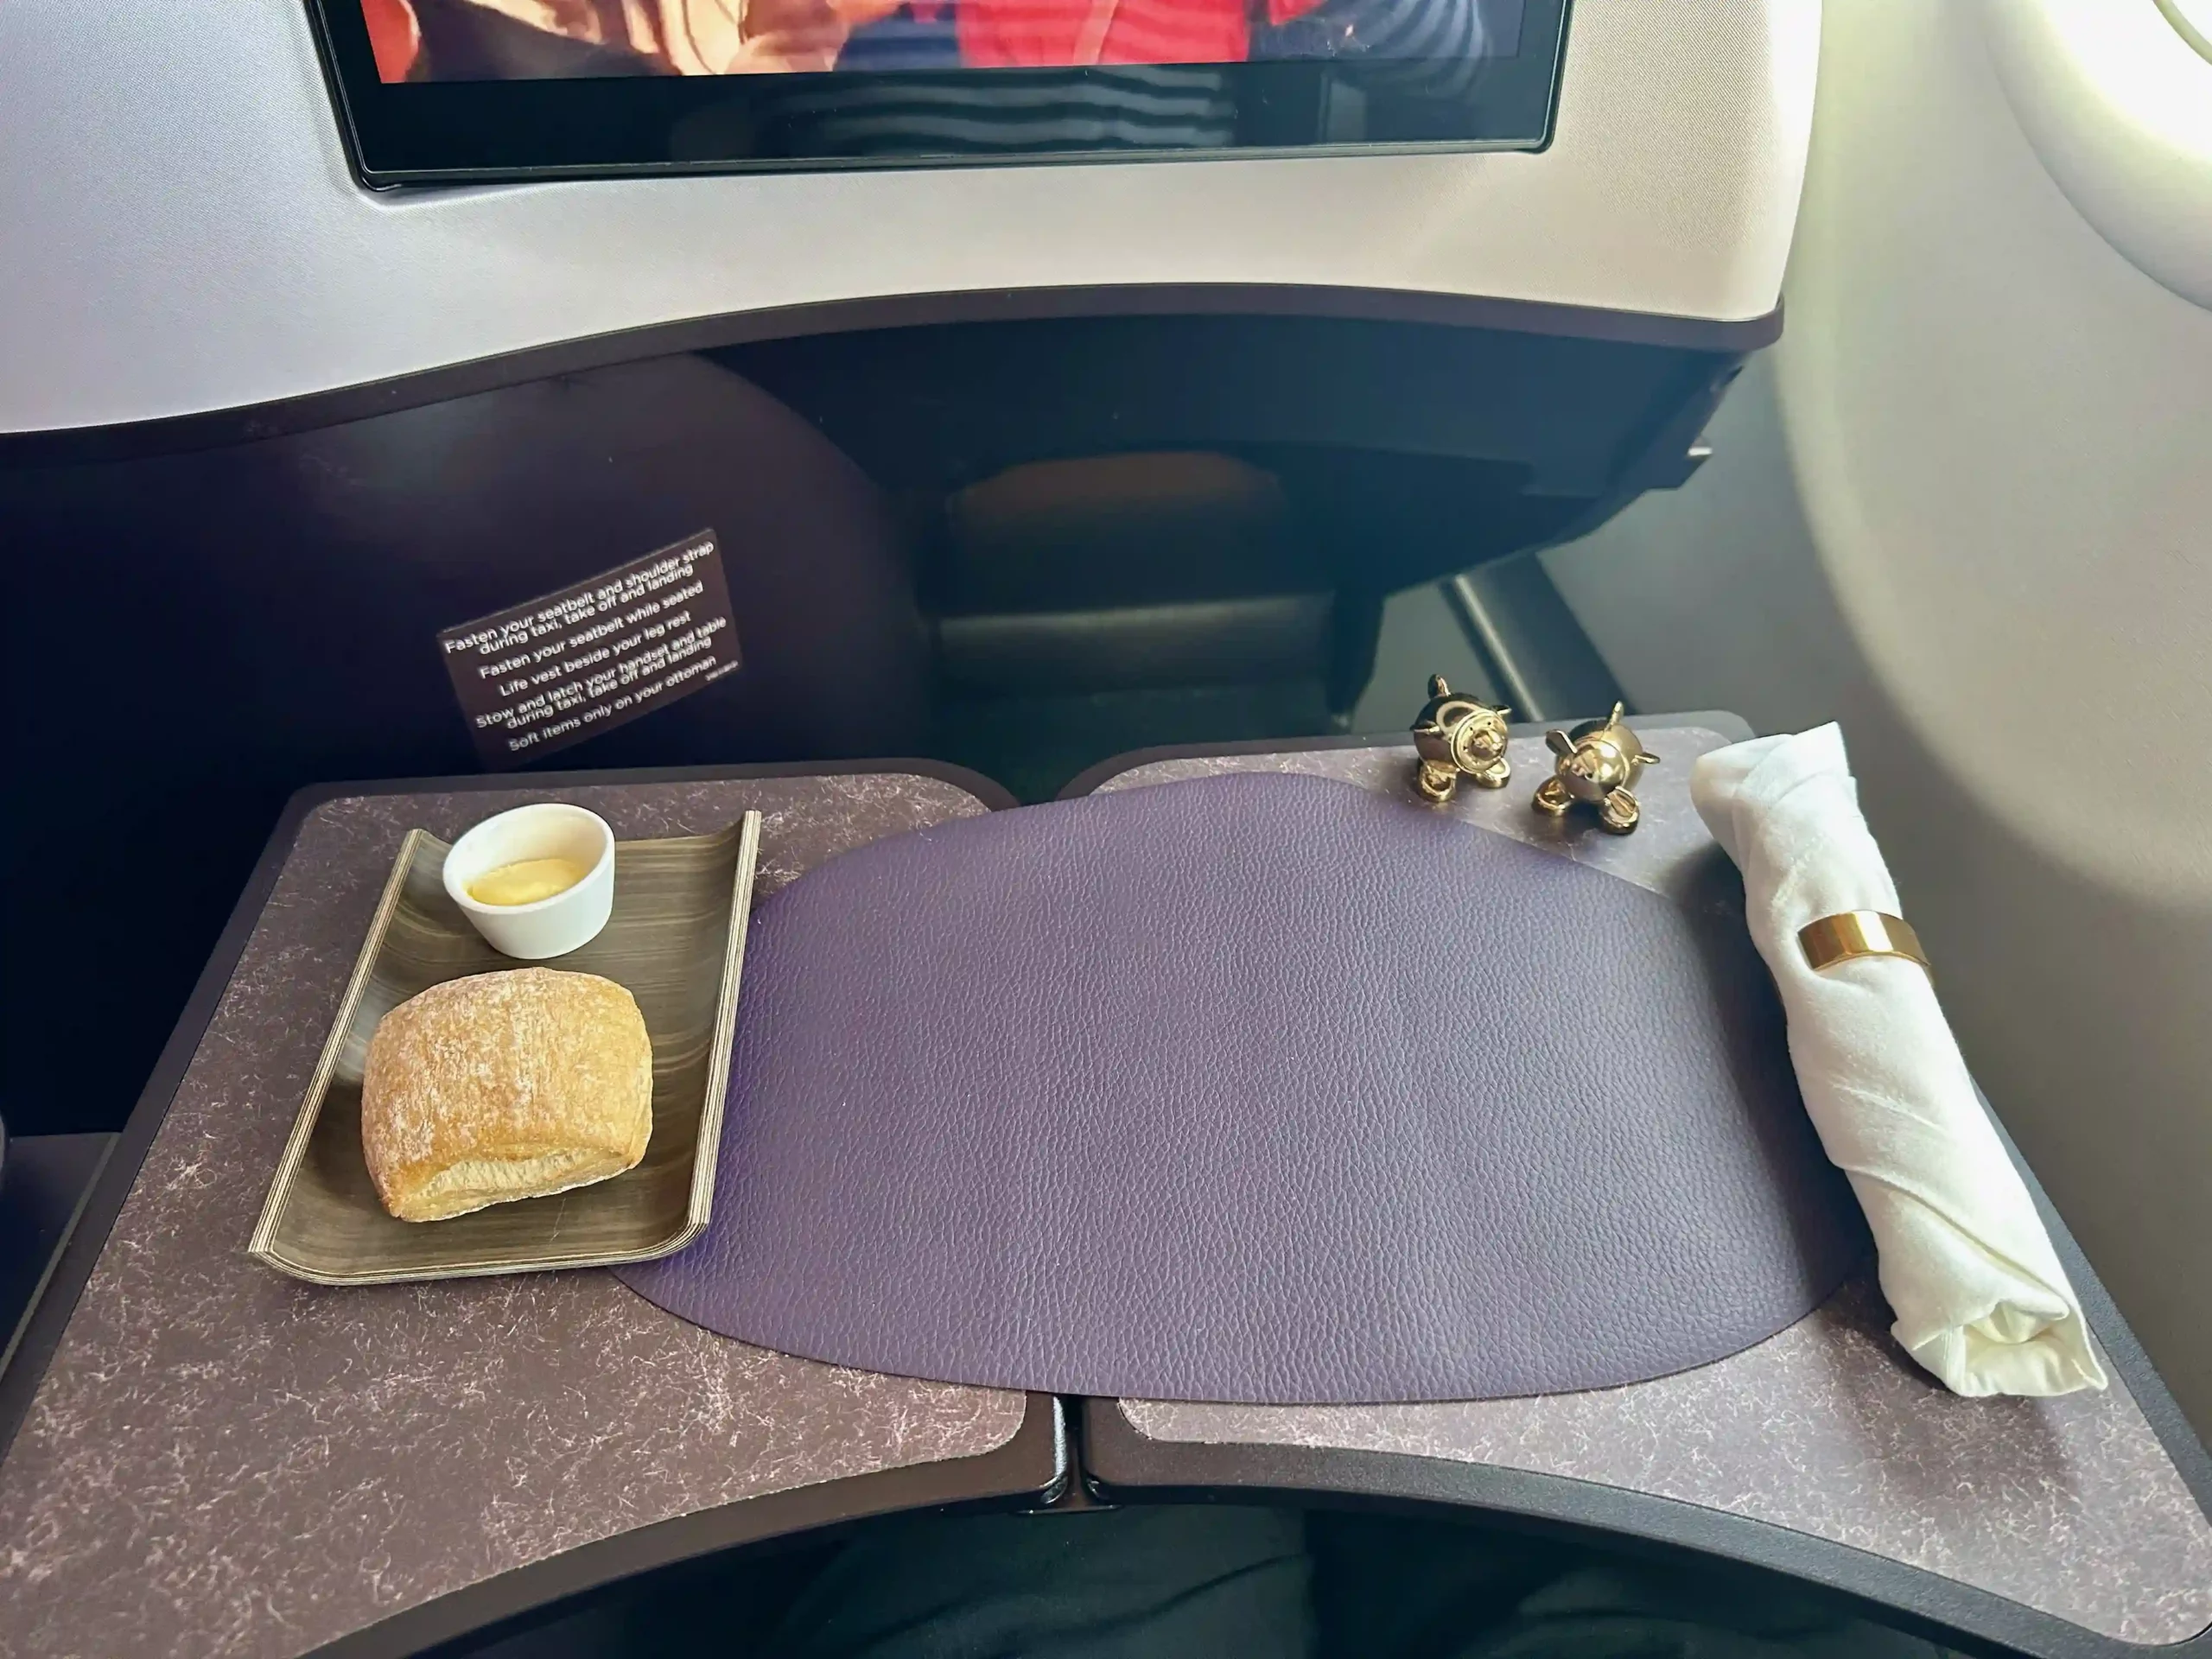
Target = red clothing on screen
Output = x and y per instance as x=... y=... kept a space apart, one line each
x=394 y=36
x=1044 y=33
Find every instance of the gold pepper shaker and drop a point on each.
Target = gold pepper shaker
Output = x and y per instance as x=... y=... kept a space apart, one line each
x=1597 y=765
x=1457 y=737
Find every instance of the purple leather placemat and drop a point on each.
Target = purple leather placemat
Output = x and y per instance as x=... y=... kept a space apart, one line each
x=1261 y=1089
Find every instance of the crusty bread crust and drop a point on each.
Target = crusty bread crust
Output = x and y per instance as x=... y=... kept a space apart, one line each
x=503 y=1086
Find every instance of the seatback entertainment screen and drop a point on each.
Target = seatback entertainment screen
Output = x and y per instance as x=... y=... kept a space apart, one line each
x=468 y=90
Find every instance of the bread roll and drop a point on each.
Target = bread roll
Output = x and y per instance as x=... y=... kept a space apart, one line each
x=505 y=1086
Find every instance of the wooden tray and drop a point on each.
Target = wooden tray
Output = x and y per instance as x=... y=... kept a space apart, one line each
x=676 y=940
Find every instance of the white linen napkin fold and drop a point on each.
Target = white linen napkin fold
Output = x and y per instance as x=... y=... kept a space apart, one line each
x=1965 y=1261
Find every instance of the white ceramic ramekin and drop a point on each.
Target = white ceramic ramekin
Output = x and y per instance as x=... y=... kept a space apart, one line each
x=550 y=927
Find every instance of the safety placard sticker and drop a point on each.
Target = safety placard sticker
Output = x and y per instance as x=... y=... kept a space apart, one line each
x=554 y=670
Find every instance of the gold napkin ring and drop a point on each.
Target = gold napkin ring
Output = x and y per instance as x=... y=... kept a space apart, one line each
x=1860 y=933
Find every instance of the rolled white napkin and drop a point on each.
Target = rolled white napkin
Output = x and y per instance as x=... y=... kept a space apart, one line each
x=1965 y=1261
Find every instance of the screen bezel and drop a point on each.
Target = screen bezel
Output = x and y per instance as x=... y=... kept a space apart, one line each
x=492 y=131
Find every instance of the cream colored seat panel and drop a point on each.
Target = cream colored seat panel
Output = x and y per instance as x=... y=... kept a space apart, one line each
x=1968 y=507
x=183 y=234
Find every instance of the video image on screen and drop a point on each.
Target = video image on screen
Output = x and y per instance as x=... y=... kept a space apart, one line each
x=530 y=40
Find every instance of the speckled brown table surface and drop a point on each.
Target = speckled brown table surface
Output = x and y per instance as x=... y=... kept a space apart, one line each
x=222 y=1461
x=2071 y=1507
